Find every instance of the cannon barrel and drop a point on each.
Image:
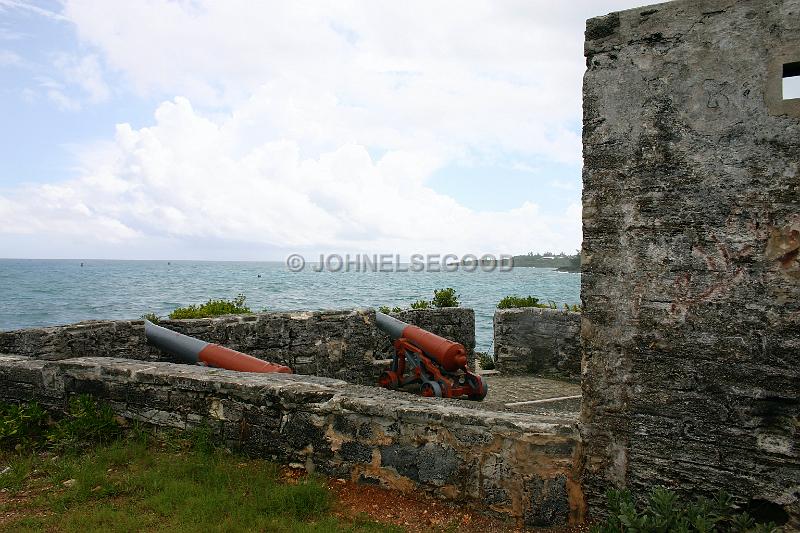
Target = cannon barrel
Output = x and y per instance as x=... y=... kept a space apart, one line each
x=195 y=351
x=451 y=355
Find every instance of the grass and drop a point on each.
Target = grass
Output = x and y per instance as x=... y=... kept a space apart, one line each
x=85 y=477
x=133 y=484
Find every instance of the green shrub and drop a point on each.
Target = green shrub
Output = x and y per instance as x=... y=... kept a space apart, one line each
x=152 y=317
x=87 y=421
x=213 y=308
x=445 y=298
x=420 y=304
x=513 y=301
x=665 y=512
x=486 y=360
x=441 y=298
x=21 y=426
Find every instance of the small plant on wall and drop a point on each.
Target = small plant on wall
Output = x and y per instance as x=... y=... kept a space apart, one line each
x=211 y=308
x=514 y=301
x=441 y=298
x=445 y=298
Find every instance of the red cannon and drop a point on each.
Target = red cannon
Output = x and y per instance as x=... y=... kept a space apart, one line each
x=437 y=364
x=196 y=351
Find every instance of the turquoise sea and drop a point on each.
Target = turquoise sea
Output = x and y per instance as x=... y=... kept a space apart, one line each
x=54 y=292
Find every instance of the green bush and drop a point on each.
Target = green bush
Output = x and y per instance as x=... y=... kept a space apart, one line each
x=213 y=308
x=420 y=304
x=152 y=317
x=445 y=298
x=386 y=310
x=486 y=360
x=21 y=426
x=665 y=512
x=513 y=301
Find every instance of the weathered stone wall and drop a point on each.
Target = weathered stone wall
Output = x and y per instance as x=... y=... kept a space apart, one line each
x=517 y=465
x=341 y=344
x=454 y=323
x=691 y=279
x=96 y=338
x=537 y=341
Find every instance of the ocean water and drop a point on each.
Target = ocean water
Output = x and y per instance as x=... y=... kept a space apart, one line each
x=55 y=292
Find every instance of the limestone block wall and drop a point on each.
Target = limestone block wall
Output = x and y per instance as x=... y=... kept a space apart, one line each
x=342 y=344
x=101 y=338
x=691 y=278
x=537 y=341
x=516 y=465
x=338 y=344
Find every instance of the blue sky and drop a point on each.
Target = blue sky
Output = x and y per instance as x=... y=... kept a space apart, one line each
x=234 y=130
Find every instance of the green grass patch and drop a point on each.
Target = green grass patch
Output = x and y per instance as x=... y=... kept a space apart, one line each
x=211 y=308
x=83 y=473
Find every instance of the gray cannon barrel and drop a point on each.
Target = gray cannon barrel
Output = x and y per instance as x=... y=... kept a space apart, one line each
x=390 y=325
x=194 y=350
x=183 y=346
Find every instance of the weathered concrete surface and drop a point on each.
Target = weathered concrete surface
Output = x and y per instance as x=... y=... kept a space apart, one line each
x=515 y=390
x=531 y=340
x=340 y=344
x=517 y=465
x=690 y=282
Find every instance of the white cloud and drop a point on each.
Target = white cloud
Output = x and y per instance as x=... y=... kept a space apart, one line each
x=86 y=73
x=482 y=76
x=9 y=58
x=188 y=177
x=290 y=98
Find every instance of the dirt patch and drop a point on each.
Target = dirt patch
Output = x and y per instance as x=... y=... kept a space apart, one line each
x=413 y=512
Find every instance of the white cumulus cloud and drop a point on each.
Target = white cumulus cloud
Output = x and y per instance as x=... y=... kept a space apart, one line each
x=312 y=125
x=190 y=176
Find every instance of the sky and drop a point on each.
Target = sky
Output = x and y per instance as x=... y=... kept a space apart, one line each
x=243 y=130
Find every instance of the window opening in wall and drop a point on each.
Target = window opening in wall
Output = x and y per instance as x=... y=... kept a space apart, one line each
x=791 y=80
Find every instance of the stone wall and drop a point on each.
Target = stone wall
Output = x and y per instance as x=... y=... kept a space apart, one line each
x=340 y=344
x=691 y=278
x=516 y=465
x=101 y=338
x=538 y=341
